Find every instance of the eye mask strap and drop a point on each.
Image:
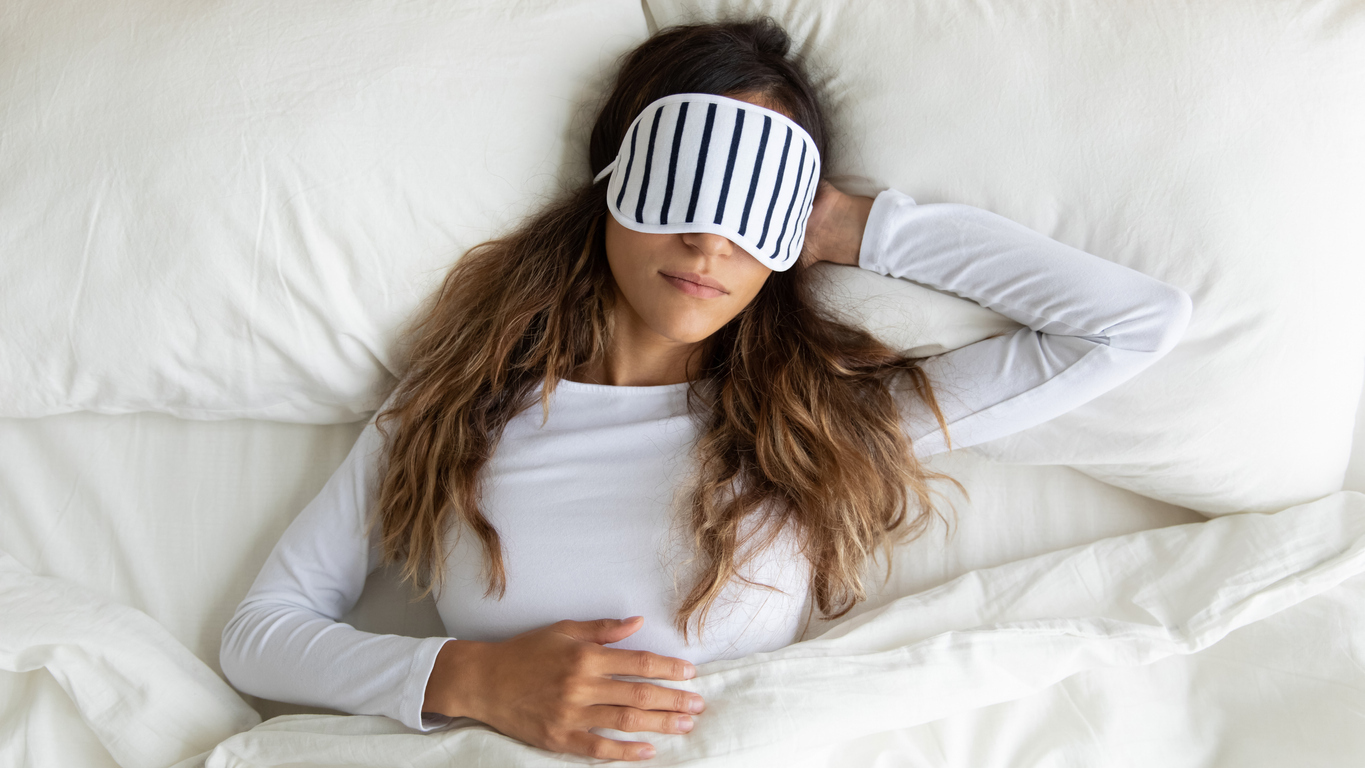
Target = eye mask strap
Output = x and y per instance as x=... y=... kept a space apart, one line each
x=604 y=172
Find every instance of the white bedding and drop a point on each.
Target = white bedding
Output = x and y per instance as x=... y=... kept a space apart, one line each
x=991 y=636
x=133 y=536
x=72 y=482
x=174 y=517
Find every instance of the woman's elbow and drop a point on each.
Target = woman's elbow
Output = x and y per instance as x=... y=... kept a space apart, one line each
x=232 y=657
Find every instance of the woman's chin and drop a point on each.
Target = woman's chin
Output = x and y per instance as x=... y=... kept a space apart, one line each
x=686 y=330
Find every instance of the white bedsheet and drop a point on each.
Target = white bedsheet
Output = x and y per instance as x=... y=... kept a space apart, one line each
x=990 y=636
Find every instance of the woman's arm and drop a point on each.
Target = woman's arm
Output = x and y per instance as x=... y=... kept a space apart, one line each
x=1091 y=324
x=548 y=687
x=285 y=641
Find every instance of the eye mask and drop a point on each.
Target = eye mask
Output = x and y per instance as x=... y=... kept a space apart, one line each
x=695 y=162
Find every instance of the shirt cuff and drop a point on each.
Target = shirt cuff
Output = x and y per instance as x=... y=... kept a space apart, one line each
x=418 y=674
x=878 y=229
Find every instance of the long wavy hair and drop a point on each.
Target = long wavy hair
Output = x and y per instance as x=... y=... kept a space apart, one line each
x=795 y=410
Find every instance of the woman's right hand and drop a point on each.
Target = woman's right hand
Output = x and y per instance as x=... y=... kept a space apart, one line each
x=547 y=687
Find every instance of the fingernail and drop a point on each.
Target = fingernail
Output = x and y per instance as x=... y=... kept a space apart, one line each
x=684 y=724
x=629 y=620
x=689 y=672
x=696 y=705
x=646 y=752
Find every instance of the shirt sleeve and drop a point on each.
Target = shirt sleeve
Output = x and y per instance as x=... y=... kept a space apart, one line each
x=1090 y=324
x=285 y=642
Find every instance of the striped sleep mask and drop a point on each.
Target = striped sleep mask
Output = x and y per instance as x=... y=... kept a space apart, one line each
x=695 y=162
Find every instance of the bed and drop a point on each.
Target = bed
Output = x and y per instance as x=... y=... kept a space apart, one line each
x=217 y=217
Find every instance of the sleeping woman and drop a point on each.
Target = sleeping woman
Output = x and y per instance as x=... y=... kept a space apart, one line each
x=629 y=441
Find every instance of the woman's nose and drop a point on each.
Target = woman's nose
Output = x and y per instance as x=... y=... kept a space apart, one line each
x=709 y=244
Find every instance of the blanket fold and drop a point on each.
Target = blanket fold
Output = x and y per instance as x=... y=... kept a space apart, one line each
x=149 y=700
x=990 y=636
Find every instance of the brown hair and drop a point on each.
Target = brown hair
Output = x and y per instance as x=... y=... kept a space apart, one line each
x=795 y=409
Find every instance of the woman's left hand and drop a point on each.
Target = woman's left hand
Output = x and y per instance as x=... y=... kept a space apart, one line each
x=834 y=231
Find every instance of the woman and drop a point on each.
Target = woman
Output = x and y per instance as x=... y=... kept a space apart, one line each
x=712 y=456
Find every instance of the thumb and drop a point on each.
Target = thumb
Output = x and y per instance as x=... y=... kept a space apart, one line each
x=602 y=631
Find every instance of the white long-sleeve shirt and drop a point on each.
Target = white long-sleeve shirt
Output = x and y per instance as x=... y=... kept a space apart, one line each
x=589 y=504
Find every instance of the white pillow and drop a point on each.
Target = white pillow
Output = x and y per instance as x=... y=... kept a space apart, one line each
x=1217 y=146
x=229 y=212
x=224 y=210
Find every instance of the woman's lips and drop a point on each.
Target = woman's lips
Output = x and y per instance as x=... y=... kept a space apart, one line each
x=695 y=285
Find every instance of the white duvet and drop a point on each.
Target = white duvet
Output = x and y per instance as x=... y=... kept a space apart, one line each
x=891 y=682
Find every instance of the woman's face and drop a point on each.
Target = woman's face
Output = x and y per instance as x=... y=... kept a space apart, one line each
x=684 y=287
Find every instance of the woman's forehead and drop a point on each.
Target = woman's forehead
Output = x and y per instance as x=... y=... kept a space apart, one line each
x=761 y=99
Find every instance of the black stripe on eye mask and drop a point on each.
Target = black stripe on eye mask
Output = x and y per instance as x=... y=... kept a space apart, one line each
x=673 y=161
x=777 y=186
x=805 y=212
x=753 y=179
x=635 y=134
x=649 y=164
x=701 y=160
x=730 y=165
x=796 y=190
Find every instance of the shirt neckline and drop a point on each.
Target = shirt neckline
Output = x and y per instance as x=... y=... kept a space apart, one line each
x=578 y=386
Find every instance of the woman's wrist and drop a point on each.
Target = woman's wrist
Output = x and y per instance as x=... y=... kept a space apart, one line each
x=856 y=216
x=836 y=227
x=451 y=685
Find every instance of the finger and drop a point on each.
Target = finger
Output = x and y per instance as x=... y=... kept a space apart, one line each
x=592 y=745
x=600 y=631
x=648 y=696
x=617 y=661
x=632 y=720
